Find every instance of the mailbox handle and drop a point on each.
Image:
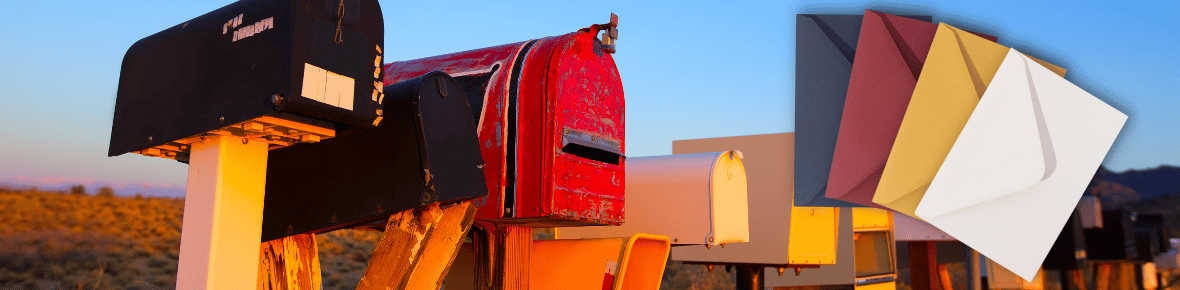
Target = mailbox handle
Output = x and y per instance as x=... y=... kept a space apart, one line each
x=612 y=33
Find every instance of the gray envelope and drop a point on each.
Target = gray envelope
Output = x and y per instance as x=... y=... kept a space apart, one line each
x=824 y=48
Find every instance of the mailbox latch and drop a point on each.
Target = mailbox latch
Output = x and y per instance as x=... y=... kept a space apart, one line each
x=610 y=33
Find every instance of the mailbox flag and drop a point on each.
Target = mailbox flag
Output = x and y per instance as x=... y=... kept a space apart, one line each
x=889 y=58
x=957 y=71
x=1022 y=161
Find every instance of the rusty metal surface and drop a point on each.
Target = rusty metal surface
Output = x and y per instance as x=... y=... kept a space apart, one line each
x=527 y=95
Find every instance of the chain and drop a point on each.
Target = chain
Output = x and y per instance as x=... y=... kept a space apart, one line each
x=339 y=19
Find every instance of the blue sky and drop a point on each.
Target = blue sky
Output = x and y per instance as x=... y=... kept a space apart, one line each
x=691 y=69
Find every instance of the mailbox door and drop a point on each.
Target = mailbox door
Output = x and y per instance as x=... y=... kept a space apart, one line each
x=570 y=118
x=425 y=151
x=486 y=75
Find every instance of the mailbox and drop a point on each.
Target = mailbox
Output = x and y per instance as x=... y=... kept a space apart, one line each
x=1069 y=251
x=425 y=151
x=1151 y=236
x=283 y=65
x=781 y=235
x=549 y=117
x=874 y=246
x=1115 y=240
x=694 y=199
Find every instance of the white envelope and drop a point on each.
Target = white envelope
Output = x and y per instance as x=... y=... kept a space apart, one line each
x=1020 y=165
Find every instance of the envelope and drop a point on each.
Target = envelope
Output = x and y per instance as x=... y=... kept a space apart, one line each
x=825 y=46
x=889 y=57
x=1020 y=165
x=957 y=71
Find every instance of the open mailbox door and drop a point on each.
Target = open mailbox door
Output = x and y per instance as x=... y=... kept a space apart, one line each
x=425 y=151
x=694 y=199
x=280 y=72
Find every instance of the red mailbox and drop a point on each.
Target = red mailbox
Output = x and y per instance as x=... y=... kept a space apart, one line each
x=549 y=114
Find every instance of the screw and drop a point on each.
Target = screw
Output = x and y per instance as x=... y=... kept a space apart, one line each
x=276 y=99
x=149 y=138
x=245 y=140
x=223 y=118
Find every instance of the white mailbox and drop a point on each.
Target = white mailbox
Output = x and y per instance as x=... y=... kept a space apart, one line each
x=694 y=199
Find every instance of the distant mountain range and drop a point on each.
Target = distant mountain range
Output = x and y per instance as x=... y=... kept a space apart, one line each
x=1124 y=188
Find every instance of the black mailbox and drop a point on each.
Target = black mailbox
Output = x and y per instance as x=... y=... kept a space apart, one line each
x=1115 y=240
x=1151 y=236
x=1069 y=251
x=425 y=151
x=314 y=62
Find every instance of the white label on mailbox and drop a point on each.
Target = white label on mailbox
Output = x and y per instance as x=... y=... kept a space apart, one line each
x=251 y=30
x=328 y=87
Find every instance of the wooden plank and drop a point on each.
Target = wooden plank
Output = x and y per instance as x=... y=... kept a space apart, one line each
x=297 y=126
x=289 y=263
x=418 y=247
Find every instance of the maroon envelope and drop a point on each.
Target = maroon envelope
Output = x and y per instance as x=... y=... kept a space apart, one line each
x=889 y=56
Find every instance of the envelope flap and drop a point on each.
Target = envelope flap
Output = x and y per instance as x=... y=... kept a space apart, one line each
x=846 y=47
x=910 y=37
x=1005 y=146
x=958 y=69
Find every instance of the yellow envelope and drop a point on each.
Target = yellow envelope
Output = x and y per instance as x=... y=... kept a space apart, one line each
x=958 y=69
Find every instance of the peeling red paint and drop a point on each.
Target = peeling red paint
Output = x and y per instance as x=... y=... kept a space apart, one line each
x=565 y=82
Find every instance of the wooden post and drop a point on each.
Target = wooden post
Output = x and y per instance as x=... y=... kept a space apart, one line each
x=924 y=266
x=1079 y=282
x=222 y=222
x=289 y=263
x=512 y=265
x=974 y=277
x=1103 y=276
x=418 y=247
x=944 y=277
x=749 y=277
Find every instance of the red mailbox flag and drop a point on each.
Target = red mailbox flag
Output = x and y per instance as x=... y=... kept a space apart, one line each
x=889 y=57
